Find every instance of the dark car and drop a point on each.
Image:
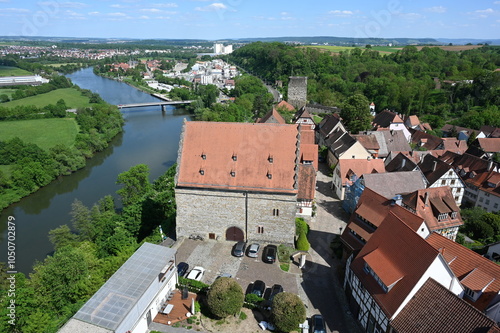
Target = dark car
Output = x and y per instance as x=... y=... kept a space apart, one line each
x=269 y=255
x=239 y=249
x=276 y=289
x=318 y=324
x=258 y=288
x=182 y=268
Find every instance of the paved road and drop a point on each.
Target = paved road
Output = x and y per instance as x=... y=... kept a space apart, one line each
x=276 y=93
x=320 y=278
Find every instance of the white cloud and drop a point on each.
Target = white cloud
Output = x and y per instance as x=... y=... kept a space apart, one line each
x=151 y=10
x=117 y=14
x=485 y=11
x=212 y=7
x=436 y=9
x=166 y=5
x=340 y=12
x=285 y=13
x=117 y=5
x=144 y=17
x=94 y=13
x=497 y=2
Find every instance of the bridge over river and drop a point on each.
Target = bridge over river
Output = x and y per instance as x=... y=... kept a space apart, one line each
x=159 y=103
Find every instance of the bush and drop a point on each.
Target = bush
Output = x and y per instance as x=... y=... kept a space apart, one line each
x=287 y=311
x=254 y=299
x=225 y=297
x=284 y=253
x=303 y=243
x=301 y=226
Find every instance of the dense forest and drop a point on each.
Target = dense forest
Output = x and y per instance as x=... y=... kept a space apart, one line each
x=100 y=241
x=404 y=81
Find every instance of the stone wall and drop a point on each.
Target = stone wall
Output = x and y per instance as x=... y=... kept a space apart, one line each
x=205 y=211
x=297 y=91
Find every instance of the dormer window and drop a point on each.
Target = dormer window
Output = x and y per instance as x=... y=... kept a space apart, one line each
x=269 y=175
x=203 y=156
x=453 y=215
x=469 y=293
x=232 y=173
x=270 y=159
x=202 y=172
x=235 y=157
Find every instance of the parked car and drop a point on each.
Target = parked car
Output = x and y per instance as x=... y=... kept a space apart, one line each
x=182 y=268
x=196 y=273
x=269 y=255
x=276 y=289
x=239 y=249
x=258 y=288
x=253 y=250
x=318 y=324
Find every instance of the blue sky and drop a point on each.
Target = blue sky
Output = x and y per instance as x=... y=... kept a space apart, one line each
x=220 y=19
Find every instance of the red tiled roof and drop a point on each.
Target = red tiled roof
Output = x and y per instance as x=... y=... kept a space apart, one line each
x=464 y=262
x=454 y=145
x=374 y=208
x=435 y=309
x=309 y=153
x=368 y=141
x=273 y=116
x=237 y=156
x=307 y=182
x=490 y=145
x=382 y=265
x=307 y=135
x=477 y=280
x=403 y=249
x=359 y=167
x=483 y=180
x=286 y=105
x=440 y=200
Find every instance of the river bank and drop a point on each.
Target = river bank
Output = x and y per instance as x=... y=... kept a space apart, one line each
x=149 y=136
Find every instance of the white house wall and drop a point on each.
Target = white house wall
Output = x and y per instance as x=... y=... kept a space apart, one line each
x=440 y=272
x=488 y=201
x=451 y=179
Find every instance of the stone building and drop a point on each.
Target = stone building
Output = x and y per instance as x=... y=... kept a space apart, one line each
x=297 y=91
x=238 y=181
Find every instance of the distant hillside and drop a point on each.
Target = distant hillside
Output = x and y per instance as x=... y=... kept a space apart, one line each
x=348 y=41
x=464 y=41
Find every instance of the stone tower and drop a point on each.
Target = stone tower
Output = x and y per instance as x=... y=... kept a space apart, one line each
x=297 y=91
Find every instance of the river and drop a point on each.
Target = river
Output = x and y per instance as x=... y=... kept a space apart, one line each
x=150 y=136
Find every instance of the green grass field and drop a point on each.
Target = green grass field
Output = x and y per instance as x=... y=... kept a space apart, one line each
x=63 y=64
x=7 y=92
x=386 y=49
x=45 y=133
x=13 y=71
x=71 y=96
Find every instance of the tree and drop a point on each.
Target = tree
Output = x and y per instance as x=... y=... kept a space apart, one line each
x=61 y=237
x=225 y=297
x=302 y=242
x=356 y=113
x=287 y=311
x=136 y=184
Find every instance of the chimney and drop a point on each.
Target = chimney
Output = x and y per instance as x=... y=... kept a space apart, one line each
x=403 y=163
x=434 y=165
x=490 y=164
x=426 y=199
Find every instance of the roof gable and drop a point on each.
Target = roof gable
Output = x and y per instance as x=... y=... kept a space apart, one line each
x=405 y=251
x=273 y=116
x=463 y=262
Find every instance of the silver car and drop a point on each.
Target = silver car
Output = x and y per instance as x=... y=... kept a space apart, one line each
x=253 y=250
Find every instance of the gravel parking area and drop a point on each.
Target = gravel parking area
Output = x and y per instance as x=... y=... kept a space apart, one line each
x=216 y=258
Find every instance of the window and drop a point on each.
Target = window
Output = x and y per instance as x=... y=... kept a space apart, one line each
x=481 y=199
x=202 y=172
x=457 y=198
x=469 y=293
x=459 y=190
x=495 y=205
x=443 y=182
x=450 y=173
x=235 y=158
x=276 y=212
x=203 y=156
x=487 y=202
x=260 y=229
x=233 y=174
x=452 y=182
x=211 y=235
